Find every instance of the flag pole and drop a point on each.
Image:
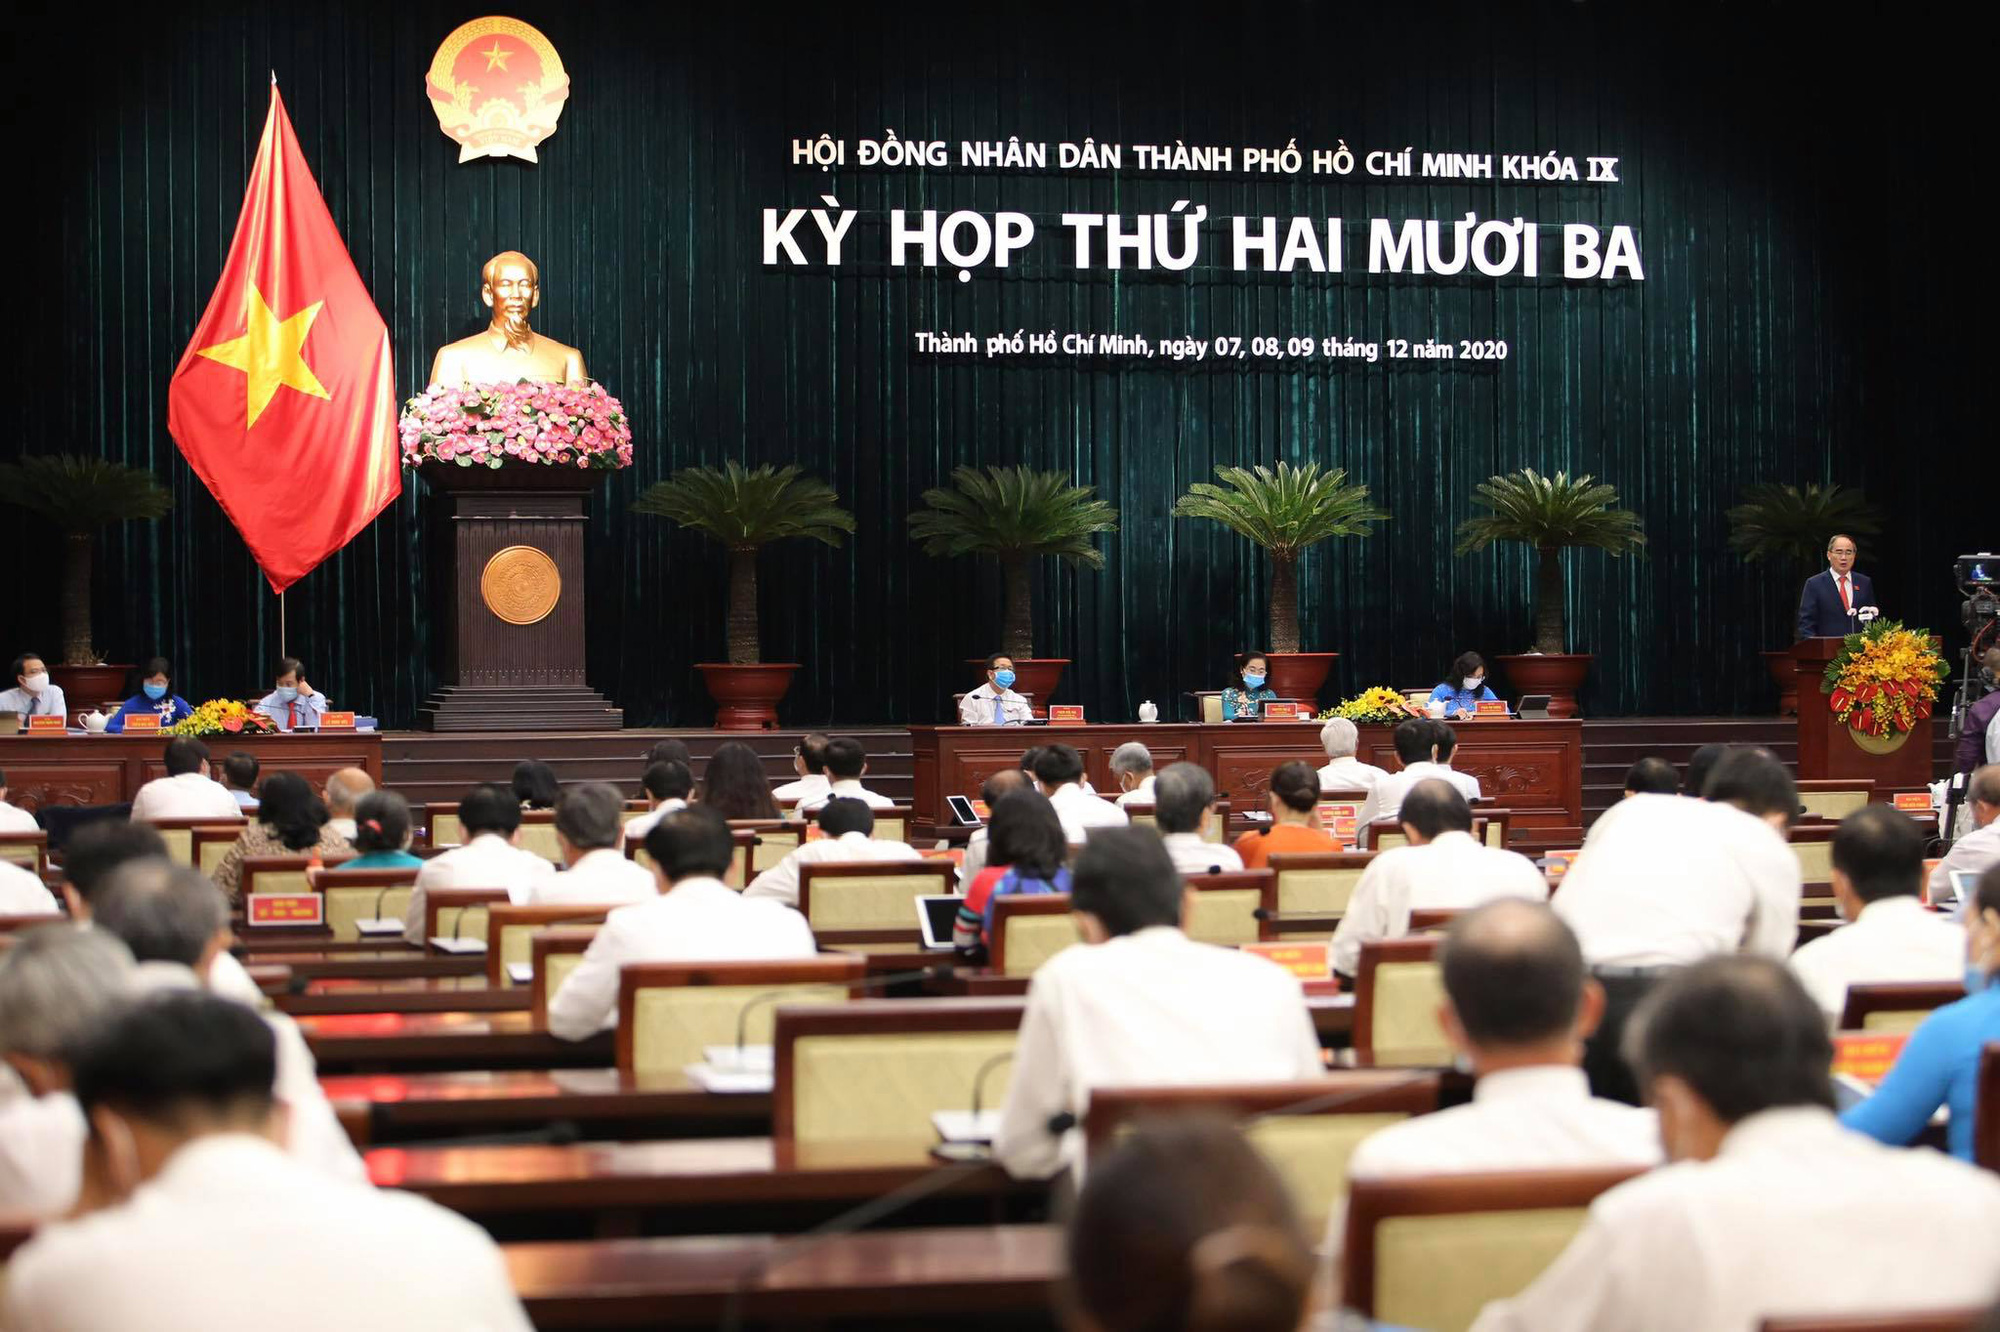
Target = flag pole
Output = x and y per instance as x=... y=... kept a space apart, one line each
x=281 y=626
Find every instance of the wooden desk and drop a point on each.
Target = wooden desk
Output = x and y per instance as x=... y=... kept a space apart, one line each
x=1534 y=768
x=881 y=1274
x=435 y=994
x=405 y=1042
x=82 y=769
x=391 y=1108
x=381 y=963
x=1332 y=1013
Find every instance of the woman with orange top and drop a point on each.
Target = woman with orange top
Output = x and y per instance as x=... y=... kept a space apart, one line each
x=1294 y=826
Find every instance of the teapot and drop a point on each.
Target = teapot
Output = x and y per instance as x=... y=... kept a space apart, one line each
x=1148 y=712
x=94 y=722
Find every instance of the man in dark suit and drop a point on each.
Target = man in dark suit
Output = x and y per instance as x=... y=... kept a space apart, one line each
x=1830 y=599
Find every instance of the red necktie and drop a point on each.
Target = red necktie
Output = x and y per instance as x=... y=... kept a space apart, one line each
x=1846 y=601
x=291 y=714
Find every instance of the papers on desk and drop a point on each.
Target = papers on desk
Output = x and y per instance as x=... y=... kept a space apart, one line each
x=520 y=972
x=446 y=944
x=722 y=1082
x=377 y=926
x=740 y=1058
x=966 y=1126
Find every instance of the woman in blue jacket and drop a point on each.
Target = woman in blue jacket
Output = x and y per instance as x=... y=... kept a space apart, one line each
x=156 y=694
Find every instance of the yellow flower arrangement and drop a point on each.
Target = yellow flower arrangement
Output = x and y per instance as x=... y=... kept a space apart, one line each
x=1377 y=703
x=224 y=716
x=1885 y=679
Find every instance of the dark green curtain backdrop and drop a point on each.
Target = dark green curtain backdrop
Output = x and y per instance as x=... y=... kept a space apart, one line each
x=1799 y=186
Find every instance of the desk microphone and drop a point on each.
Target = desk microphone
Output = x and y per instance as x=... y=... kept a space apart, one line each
x=941 y=971
x=974 y=1151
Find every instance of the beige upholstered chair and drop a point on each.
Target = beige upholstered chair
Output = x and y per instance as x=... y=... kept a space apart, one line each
x=1835 y=798
x=179 y=835
x=29 y=850
x=668 y=1013
x=1310 y=892
x=1895 y=1005
x=1225 y=906
x=869 y=901
x=459 y=913
x=554 y=953
x=1398 y=988
x=352 y=895
x=1029 y=930
x=511 y=930
x=282 y=874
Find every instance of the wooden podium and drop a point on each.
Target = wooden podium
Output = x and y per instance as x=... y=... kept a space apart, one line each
x=511 y=614
x=1829 y=750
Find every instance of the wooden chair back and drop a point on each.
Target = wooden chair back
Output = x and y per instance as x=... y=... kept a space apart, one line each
x=869 y=901
x=1895 y=1005
x=668 y=1013
x=893 y=823
x=776 y=839
x=1310 y=892
x=282 y=874
x=1225 y=906
x=740 y=862
x=1936 y=1320
x=1433 y=1250
x=29 y=850
x=1397 y=990
x=441 y=819
x=1216 y=830
x=876 y=1070
x=1307 y=1130
x=554 y=954
x=1496 y=824
x=538 y=834
x=1813 y=845
x=1339 y=814
x=1385 y=835
x=459 y=913
x=1028 y=931
x=351 y=895
x=9 y=924
x=1835 y=797
x=510 y=932
x=1211 y=706
x=211 y=842
x=178 y=834
x=1434 y=919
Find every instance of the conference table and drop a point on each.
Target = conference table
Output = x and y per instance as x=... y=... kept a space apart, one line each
x=381 y=1108
x=83 y=768
x=386 y=1041
x=1533 y=768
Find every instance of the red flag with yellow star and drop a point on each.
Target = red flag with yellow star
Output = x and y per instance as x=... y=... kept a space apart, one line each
x=285 y=400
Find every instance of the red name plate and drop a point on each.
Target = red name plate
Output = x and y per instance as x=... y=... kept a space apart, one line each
x=336 y=721
x=1066 y=714
x=1341 y=819
x=1913 y=802
x=46 y=724
x=1492 y=707
x=979 y=808
x=1282 y=712
x=137 y=723
x=1560 y=861
x=814 y=832
x=1307 y=961
x=1867 y=1055
x=285 y=909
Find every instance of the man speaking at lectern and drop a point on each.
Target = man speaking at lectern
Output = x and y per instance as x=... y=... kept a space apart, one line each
x=1828 y=605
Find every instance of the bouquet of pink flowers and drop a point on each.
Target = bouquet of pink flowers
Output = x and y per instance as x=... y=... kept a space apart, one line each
x=486 y=425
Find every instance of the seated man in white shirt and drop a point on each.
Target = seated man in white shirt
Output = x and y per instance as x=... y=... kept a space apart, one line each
x=1000 y=784
x=1518 y=1005
x=213 y=1226
x=12 y=817
x=1663 y=881
x=846 y=761
x=809 y=762
x=187 y=791
x=591 y=836
x=995 y=703
x=1341 y=740
x=849 y=828
x=239 y=777
x=1977 y=850
x=56 y=983
x=491 y=818
x=1141 y=1004
x=1442 y=869
x=1058 y=775
x=22 y=892
x=176 y=924
x=1773 y=1210
x=1424 y=748
x=695 y=918
x=1878 y=866
x=1651 y=776
x=668 y=786
x=1132 y=769
x=1184 y=802
x=344 y=790
x=32 y=694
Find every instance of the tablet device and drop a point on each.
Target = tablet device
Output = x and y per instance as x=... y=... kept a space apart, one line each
x=962 y=811
x=1963 y=884
x=1534 y=707
x=935 y=917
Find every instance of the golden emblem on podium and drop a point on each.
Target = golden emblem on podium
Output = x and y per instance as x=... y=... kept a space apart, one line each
x=497 y=86
x=520 y=584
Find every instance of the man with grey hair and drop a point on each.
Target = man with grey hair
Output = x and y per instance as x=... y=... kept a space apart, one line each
x=1344 y=772
x=1002 y=783
x=343 y=792
x=1132 y=768
x=56 y=983
x=591 y=833
x=1184 y=802
x=1978 y=849
x=176 y=923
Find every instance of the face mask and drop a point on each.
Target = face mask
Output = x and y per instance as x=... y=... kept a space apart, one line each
x=1253 y=682
x=286 y=693
x=35 y=684
x=1474 y=681
x=1004 y=678
x=154 y=692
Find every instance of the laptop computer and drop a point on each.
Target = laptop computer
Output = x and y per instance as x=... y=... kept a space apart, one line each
x=935 y=916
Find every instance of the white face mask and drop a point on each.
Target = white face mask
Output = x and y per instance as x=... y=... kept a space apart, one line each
x=1474 y=681
x=35 y=684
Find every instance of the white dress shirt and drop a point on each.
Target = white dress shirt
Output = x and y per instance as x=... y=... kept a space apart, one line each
x=1795 y=1217
x=780 y=883
x=603 y=877
x=1079 y=811
x=1349 y=773
x=849 y=787
x=41 y=1152
x=976 y=708
x=1385 y=798
x=301 y=711
x=1977 y=851
x=49 y=703
x=487 y=861
x=346 y=827
x=1895 y=939
x=22 y=892
x=1142 y=794
x=233 y=1234
x=1148 y=1009
x=1452 y=872
x=15 y=819
x=1194 y=854
x=188 y=796
x=1665 y=880
x=636 y=829
x=697 y=920
x=812 y=786
x=975 y=859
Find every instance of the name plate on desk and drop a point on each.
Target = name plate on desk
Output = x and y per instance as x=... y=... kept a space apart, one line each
x=1307 y=961
x=1913 y=802
x=142 y=723
x=1341 y=819
x=1489 y=708
x=1867 y=1055
x=336 y=721
x=1275 y=711
x=1066 y=714
x=1559 y=863
x=47 y=724
x=293 y=909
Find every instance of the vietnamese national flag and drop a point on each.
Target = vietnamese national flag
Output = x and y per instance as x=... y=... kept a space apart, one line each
x=285 y=400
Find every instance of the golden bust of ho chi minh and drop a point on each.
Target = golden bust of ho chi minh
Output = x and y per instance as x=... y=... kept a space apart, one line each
x=507 y=350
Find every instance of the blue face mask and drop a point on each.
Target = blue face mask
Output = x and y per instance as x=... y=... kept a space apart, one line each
x=1253 y=682
x=153 y=691
x=1004 y=678
x=286 y=693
